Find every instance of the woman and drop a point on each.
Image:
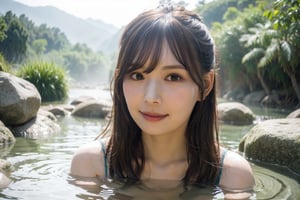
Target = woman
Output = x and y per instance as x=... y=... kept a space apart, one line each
x=164 y=124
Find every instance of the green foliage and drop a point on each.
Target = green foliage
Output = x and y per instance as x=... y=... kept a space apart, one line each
x=3 y=28
x=14 y=47
x=4 y=66
x=214 y=11
x=279 y=38
x=257 y=42
x=285 y=16
x=85 y=65
x=231 y=14
x=50 y=45
x=49 y=79
x=231 y=51
x=56 y=40
x=253 y=54
x=39 y=46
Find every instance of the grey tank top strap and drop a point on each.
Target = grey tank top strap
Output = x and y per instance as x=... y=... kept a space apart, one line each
x=104 y=157
x=223 y=154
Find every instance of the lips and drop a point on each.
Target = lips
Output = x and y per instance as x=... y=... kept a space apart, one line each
x=153 y=117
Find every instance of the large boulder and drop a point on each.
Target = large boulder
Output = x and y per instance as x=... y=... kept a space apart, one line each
x=275 y=141
x=92 y=109
x=19 y=100
x=42 y=125
x=235 y=113
x=6 y=136
x=254 y=97
x=294 y=114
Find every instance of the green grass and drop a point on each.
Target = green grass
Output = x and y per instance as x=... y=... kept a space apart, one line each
x=4 y=66
x=49 y=79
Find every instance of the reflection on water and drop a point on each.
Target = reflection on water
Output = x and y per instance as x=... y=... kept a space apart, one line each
x=270 y=185
x=41 y=168
x=154 y=189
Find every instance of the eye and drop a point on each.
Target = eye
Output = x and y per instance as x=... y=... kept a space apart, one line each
x=136 y=76
x=174 y=77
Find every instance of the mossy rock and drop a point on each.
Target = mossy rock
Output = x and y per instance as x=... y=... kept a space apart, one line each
x=274 y=141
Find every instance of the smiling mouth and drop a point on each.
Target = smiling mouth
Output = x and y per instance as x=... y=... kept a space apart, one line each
x=153 y=117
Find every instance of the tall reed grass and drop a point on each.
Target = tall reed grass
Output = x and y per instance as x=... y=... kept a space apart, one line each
x=49 y=79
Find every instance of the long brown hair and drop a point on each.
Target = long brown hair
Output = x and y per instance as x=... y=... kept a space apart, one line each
x=193 y=47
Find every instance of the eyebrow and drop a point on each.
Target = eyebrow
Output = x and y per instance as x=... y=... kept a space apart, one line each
x=168 y=67
x=173 y=67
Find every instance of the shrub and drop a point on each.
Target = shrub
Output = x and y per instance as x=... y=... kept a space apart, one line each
x=49 y=79
x=4 y=66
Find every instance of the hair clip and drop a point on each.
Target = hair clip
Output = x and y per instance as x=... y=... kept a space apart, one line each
x=166 y=5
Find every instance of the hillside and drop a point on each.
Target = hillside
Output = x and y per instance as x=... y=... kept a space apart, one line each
x=95 y=33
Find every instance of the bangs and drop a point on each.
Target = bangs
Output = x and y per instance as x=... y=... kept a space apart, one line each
x=144 y=46
x=147 y=55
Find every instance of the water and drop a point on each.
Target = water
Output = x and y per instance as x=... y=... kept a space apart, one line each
x=41 y=167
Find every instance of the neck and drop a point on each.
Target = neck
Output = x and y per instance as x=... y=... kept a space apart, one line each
x=163 y=149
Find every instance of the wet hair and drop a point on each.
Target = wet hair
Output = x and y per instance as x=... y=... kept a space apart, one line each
x=192 y=45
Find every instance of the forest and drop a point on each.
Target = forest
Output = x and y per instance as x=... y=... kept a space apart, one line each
x=258 y=48
x=257 y=45
x=23 y=42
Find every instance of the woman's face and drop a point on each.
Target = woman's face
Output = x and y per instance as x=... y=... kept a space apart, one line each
x=161 y=102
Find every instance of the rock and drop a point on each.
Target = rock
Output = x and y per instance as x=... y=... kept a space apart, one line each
x=6 y=136
x=235 y=113
x=57 y=110
x=271 y=100
x=5 y=166
x=19 y=100
x=82 y=99
x=294 y=114
x=68 y=108
x=254 y=97
x=275 y=141
x=41 y=125
x=235 y=95
x=47 y=114
x=93 y=109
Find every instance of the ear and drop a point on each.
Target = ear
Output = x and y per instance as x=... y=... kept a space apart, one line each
x=208 y=79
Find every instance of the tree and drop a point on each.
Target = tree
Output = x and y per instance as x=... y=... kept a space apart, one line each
x=13 y=47
x=257 y=41
x=285 y=16
x=278 y=40
x=30 y=27
x=213 y=11
x=39 y=46
x=239 y=76
x=3 y=29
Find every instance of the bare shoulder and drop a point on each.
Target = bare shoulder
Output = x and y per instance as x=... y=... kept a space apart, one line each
x=237 y=173
x=88 y=160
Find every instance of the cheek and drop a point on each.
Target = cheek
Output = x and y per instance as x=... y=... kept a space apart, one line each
x=190 y=93
x=130 y=91
x=195 y=92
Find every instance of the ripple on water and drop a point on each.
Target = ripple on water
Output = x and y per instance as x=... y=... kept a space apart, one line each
x=270 y=185
x=41 y=168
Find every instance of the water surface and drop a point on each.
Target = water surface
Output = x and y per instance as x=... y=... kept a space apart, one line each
x=41 y=168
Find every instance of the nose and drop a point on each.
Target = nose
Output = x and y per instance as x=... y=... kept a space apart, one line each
x=152 y=92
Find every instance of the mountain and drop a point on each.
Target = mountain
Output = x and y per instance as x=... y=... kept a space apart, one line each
x=95 y=33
